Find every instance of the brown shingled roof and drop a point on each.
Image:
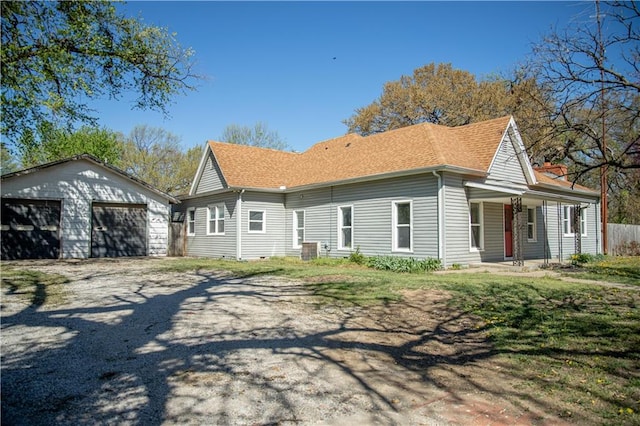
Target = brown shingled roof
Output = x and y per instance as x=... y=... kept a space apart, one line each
x=545 y=179
x=252 y=167
x=352 y=156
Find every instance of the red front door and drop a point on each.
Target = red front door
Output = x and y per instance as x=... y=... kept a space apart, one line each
x=508 y=233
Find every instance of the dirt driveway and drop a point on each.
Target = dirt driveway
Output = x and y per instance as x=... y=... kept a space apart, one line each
x=133 y=346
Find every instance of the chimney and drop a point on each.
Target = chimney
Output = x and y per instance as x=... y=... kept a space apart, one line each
x=559 y=170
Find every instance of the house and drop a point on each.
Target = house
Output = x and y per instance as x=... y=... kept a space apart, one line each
x=464 y=195
x=81 y=207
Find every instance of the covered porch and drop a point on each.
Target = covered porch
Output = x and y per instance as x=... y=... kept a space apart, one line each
x=534 y=227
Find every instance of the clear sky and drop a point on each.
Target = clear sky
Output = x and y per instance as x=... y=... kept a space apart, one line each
x=304 y=67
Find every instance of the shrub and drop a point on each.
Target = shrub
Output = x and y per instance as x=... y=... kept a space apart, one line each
x=357 y=257
x=403 y=264
x=580 y=259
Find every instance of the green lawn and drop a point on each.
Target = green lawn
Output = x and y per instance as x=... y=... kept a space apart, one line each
x=622 y=269
x=574 y=343
x=577 y=343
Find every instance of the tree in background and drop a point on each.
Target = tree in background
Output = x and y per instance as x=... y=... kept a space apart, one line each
x=50 y=143
x=441 y=94
x=155 y=156
x=259 y=135
x=590 y=70
x=7 y=161
x=56 y=56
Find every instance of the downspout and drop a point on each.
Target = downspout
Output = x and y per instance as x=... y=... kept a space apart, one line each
x=239 y=225
x=598 y=248
x=441 y=253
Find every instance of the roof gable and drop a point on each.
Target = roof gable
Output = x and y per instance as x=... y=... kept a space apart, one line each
x=409 y=149
x=91 y=159
x=510 y=161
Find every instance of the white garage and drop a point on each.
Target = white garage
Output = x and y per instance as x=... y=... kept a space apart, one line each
x=81 y=207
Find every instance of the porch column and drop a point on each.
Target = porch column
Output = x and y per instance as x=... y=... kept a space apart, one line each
x=577 y=228
x=519 y=224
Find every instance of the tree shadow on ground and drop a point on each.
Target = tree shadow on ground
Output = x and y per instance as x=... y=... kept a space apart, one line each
x=220 y=350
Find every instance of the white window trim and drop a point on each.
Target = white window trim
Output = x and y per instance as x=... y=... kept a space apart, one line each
x=394 y=226
x=567 y=219
x=295 y=228
x=217 y=208
x=340 y=226
x=481 y=225
x=189 y=221
x=263 y=221
x=534 y=224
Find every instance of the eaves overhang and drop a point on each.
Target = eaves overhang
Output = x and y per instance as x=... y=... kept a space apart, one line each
x=594 y=194
x=91 y=159
x=389 y=175
x=502 y=189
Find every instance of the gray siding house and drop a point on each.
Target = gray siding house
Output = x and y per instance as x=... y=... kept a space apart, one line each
x=465 y=195
x=81 y=207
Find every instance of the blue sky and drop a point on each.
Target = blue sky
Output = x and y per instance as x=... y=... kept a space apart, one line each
x=274 y=61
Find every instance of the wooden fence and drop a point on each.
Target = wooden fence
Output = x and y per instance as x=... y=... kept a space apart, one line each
x=623 y=240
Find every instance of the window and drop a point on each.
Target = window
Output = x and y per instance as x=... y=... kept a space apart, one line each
x=191 y=222
x=215 y=222
x=531 y=224
x=298 y=228
x=402 y=226
x=257 y=221
x=568 y=227
x=476 y=230
x=345 y=227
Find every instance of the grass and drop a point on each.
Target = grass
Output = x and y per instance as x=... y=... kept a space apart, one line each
x=36 y=288
x=575 y=344
x=619 y=269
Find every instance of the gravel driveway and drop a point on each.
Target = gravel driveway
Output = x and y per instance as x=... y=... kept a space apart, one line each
x=135 y=346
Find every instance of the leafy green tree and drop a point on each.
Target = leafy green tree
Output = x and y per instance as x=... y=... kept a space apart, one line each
x=155 y=156
x=7 y=160
x=259 y=135
x=441 y=94
x=58 y=55
x=50 y=143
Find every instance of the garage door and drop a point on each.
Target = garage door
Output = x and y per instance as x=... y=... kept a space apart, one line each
x=118 y=230
x=30 y=229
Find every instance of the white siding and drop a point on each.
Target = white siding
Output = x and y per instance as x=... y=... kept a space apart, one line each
x=506 y=166
x=561 y=247
x=78 y=184
x=203 y=245
x=493 y=216
x=535 y=249
x=211 y=178
x=372 y=215
x=272 y=241
x=456 y=217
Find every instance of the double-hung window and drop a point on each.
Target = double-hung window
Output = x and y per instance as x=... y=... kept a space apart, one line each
x=345 y=227
x=568 y=226
x=215 y=219
x=531 y=224
x=191 y=222
x=402 y=226
x=476 y=231
x=257 y=221
x=298 y=228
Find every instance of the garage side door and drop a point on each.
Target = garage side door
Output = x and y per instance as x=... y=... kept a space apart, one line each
x=30 y=229
x=118 y=230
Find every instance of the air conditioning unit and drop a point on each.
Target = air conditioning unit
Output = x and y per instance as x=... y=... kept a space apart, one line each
x=310 y=251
